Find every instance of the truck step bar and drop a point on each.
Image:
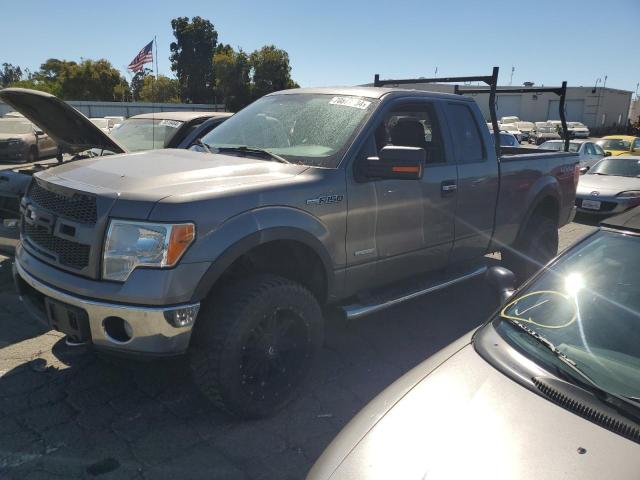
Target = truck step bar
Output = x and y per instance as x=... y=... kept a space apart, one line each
x=380 y=302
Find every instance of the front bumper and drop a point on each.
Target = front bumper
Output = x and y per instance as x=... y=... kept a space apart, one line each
x=150 y=333
x=608 y=205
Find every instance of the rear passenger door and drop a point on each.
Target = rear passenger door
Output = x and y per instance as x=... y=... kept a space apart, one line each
x=477 y=187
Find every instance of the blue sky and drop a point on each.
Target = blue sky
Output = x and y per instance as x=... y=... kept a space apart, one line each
x=345 y=42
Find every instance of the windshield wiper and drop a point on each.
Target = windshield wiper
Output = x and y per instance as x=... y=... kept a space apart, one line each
x=205 y=146
x=252 y=150
x=584 y=381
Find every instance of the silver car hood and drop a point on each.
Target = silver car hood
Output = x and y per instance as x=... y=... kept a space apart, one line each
x=467 y=420
x=606 y=185
x=67 y=126
x=156 y=174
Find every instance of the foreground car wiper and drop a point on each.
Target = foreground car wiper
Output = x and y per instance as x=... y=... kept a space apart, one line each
x=619 y=402
x=252 y=150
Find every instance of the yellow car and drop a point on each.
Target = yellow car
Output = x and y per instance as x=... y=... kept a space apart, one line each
x=615 y=145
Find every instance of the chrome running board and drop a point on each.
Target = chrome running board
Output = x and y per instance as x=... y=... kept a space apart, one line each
x=358 y=310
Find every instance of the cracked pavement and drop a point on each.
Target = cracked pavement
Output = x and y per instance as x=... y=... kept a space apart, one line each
x=67 y=413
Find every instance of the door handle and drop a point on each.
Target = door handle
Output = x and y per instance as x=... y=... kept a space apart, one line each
x=448 y=186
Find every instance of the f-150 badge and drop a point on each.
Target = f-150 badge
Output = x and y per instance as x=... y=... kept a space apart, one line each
x=325 y=200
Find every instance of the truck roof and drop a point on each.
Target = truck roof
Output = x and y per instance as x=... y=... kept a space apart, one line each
x=371 y=92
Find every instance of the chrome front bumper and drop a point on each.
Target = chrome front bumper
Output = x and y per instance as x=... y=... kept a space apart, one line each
x=151 y=333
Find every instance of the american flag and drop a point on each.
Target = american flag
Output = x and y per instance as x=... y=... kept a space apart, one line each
x=144 y=56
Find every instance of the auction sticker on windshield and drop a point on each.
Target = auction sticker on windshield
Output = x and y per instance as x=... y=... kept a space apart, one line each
x=353 y=102
x=170 y=123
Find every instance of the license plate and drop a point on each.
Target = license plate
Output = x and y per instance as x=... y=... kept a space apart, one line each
x=67 y=319
x=591 y=204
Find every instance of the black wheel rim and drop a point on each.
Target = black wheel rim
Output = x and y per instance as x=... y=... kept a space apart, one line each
x=275 y=355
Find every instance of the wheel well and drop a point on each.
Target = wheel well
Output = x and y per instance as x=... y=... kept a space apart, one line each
x=548 y=207
x=287 y=258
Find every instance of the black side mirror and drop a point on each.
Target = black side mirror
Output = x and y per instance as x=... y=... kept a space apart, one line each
x=583 y=170
x=38 y=132
x=607 y=154
x=503 y=281
x=403 y=163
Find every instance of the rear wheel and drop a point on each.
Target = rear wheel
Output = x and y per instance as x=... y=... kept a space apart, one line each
x=254 y=344
x=536 y=245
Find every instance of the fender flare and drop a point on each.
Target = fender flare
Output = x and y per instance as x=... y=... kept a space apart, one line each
x=549 y=189
x=245 y=244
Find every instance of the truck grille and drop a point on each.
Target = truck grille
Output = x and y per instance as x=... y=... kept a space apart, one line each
x=79 y=207
x=71 y=254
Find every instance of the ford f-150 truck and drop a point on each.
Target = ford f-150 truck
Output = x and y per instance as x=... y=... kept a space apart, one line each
x=357 y=197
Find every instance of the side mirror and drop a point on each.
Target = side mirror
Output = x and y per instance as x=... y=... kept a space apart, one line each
x=583 y=170
x=503 y=281
x=607 y=154
x=402 y=163
x=38 y=132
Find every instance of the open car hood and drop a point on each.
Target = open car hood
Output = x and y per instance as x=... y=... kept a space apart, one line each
x=66 y=125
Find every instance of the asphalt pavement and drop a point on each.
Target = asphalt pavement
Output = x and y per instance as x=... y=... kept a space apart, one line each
x=66 y=413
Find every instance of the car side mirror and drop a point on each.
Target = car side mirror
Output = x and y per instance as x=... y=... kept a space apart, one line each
x=402 y=163
x=38 y=132
x=503 y=281
x=607 y=154
x=583 y=170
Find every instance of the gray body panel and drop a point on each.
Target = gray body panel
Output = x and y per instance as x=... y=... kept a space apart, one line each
x=456 y=416
x=367 y=232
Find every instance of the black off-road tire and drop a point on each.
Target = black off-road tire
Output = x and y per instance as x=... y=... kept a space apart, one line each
x=536 y=245
x=230 y=348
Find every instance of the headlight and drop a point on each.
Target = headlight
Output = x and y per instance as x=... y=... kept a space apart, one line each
x=140 y=244
x=629 y=194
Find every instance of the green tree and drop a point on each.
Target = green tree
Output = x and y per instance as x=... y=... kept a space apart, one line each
x=34 y=84
x=90 y=80
x=192 y=58
x=9 y=74
x=163 y=90
x=271 y=71
x=138 y=81
x=232 y=72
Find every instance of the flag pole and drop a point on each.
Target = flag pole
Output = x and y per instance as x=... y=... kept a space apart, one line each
x=155 y=44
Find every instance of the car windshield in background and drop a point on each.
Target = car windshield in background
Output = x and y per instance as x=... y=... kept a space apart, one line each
x=573 y=147
x=614 y=144
x=546 y=129
x=18 y=127
x=575 y=125
x=311 y=129
x=587 y=306
x=619 y=167
x=145 y=133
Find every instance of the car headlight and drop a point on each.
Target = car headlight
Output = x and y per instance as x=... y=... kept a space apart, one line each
x=131 y=244
x=629 y=194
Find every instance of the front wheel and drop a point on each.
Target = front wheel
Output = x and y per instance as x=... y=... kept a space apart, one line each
x=254 y=343
x=536 y=245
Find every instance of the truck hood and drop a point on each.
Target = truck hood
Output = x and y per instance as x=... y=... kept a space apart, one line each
x=606 y=185
x=467 y=420
x=157 y=174
x=63 y=123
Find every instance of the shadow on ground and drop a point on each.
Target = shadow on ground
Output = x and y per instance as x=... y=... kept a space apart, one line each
x=66 y=413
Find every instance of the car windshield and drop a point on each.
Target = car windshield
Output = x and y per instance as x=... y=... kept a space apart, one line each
x=619 y=167
x=18 y=127
x=524 y=125
x=615 y=144
x=145 y=133
x=546 y=129
x=573 y=147
x=311 y=129
x=588 y=306
x=575 y=125
x=100 y=122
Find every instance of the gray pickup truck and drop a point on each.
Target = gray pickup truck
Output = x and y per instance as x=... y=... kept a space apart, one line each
x=357 y=198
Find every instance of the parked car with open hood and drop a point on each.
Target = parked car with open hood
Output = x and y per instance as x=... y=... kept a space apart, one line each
x=306 y=198
x=548 y=389
x=543 y=132
x=611 y=186
x=79 y=137
x=589 y=153
x=617 y=145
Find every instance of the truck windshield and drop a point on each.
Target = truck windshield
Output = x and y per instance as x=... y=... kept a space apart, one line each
x=587 y=306
x=310 y=129
x=145 y=133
